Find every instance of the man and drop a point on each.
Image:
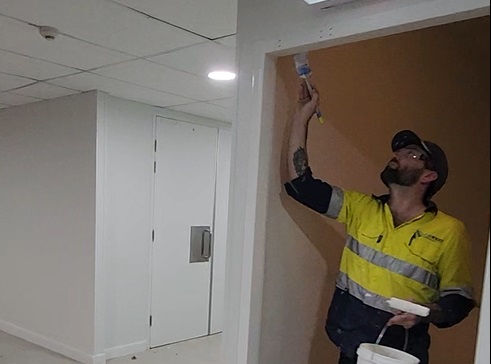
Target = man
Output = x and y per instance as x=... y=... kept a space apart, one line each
x=398 y=245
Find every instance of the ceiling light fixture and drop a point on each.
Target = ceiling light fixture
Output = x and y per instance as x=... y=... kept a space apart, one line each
x=222 y=75
x=326 y=3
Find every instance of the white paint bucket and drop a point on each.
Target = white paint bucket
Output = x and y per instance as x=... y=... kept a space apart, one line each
x=379 y=354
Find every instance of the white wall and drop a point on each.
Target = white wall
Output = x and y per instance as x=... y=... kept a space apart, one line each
x=482 y=348
x=278 y=27
x=220 y=231
x=47 y=223
x=127 y=193
x=76 y=189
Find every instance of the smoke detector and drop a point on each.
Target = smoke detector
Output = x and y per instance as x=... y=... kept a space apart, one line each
x=48 y=33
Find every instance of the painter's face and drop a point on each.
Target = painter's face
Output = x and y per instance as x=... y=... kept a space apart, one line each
x=405 y=168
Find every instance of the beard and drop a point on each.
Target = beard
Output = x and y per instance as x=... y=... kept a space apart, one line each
x=402 y=177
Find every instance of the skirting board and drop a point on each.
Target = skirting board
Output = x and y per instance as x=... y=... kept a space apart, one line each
x=51 y=344
x=122 y=350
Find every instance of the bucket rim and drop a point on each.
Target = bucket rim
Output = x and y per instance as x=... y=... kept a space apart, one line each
x=368 y=349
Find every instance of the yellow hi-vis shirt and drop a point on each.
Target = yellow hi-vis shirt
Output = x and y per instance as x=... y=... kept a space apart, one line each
x=421 y=260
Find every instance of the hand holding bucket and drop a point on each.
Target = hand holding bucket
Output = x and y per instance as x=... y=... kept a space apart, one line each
x=379 y=354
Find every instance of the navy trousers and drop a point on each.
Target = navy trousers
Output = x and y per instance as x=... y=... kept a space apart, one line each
x=345 y=360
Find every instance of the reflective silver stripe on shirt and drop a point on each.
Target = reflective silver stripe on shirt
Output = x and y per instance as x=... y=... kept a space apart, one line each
x=367 y=297
x=336 y=203
x=395 y=265
x=463 y=291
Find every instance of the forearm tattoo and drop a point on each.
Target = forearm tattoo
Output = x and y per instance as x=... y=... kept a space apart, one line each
x=300 y=161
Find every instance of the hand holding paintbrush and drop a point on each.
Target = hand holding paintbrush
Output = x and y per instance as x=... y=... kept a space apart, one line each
x=307 y=103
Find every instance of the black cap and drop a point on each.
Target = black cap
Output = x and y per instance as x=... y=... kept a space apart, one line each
x=438 y=160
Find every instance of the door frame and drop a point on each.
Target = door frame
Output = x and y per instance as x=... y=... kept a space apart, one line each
x=252 y=131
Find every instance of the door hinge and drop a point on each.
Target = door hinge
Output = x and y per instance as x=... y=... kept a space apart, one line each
x=150 y=320
x=153 y=235
x=155 y=167
x=155 y=146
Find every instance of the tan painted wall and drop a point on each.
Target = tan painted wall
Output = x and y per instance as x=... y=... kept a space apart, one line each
x=434 y=81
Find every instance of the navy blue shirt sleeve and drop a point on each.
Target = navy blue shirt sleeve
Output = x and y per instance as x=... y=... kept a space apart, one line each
x=310 y=192
x=455 y=308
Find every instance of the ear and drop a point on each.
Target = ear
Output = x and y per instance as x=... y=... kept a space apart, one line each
x=428 y=176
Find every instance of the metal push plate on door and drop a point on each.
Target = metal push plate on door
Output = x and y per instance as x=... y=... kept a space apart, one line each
x=200 y=244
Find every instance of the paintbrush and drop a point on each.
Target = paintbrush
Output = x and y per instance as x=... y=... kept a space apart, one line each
x=303 y=70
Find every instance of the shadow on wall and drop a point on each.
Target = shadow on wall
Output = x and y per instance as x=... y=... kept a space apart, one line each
x=329 y=244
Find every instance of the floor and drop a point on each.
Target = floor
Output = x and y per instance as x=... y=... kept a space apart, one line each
x=198 y=351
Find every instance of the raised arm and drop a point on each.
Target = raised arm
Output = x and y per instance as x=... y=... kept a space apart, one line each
x=311 y=192
x=297 y=153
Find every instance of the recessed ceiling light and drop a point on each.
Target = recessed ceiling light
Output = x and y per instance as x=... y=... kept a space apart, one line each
x=221 y=75
x=327 y=3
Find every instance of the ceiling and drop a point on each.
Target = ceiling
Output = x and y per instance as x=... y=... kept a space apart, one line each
x=157 y=52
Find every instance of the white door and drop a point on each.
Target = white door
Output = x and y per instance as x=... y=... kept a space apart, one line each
x=184 y=207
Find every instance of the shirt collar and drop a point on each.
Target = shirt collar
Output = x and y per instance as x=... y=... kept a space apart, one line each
x=430 y=205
